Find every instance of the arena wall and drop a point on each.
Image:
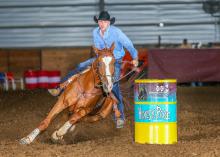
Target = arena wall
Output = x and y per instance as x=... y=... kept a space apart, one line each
x=63 y=59
x=3 y=61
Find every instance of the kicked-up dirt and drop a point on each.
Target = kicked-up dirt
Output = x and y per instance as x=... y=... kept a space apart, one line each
x=22 y=111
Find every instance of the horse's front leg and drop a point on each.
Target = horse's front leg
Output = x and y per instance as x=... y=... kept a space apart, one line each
x=57 y=108
x=70 y=124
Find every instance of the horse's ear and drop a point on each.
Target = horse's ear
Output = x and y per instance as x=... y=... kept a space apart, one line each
x=112 y=47
x=95 y=50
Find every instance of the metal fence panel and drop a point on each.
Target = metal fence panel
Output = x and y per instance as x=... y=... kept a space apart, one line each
x=53 y=23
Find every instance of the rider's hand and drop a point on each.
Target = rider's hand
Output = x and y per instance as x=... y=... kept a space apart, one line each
x=135 y=62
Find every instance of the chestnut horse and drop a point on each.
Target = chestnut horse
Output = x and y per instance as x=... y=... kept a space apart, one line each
x=81 y=96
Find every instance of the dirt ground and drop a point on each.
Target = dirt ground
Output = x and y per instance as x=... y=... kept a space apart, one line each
x=198 y=128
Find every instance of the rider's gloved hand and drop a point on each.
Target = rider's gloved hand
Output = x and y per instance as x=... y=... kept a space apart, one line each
x=135 y=62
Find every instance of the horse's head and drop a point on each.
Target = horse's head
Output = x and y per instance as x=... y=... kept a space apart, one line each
x=105 y=67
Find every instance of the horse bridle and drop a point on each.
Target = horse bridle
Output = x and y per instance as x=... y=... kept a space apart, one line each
x=101 y=76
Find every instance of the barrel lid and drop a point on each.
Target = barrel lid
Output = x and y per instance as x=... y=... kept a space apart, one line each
x=155 y=80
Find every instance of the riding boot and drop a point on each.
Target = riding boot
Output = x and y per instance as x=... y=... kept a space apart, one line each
x=56 y=91
x=120 y=123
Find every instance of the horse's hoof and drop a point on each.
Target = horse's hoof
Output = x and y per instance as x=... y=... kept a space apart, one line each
x=55 y=138
x=25 y=141
x=58 y=141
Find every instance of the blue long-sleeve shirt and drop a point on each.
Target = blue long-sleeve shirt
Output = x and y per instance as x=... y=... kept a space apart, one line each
x=114 y=34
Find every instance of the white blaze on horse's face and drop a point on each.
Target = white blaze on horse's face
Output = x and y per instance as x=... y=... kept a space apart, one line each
x=107 y=60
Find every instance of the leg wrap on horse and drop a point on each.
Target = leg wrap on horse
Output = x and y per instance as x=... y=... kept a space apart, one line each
x=58 y=135
x=29 y=138
x=63 y=130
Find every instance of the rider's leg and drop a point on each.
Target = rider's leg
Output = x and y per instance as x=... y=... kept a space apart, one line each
x=117 y=93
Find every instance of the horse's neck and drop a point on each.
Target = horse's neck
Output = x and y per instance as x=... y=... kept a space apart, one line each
x=89 y=78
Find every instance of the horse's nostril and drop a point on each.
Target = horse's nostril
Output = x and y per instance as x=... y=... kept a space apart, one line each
x=111 y=87
x=113 y=79
x=105 y=88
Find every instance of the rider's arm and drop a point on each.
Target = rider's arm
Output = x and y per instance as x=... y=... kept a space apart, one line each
x=126 y=42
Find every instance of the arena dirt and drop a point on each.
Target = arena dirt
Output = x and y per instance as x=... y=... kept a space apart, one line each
x=198 y=128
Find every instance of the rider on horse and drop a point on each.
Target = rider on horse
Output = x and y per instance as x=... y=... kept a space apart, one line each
x=103 y=36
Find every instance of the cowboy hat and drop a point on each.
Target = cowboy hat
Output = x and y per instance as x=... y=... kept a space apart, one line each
x=104 y=15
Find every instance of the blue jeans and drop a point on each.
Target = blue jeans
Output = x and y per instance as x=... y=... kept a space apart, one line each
x=116 y=89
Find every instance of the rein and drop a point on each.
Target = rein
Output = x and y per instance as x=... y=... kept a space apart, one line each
x=134 y=69
x=94 y=71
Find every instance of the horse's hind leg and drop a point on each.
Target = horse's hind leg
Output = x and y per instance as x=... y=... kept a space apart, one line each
x=104 y=111
x=70 y=124
x=57 y=108
x=57 y=135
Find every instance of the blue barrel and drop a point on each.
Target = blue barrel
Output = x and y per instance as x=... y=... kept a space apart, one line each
x=155 y=111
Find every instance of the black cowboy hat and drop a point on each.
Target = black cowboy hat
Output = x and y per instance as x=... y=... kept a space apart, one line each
x=104 y=15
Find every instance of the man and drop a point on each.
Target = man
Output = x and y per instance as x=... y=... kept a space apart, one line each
x=185 y=44
x=103 y=37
